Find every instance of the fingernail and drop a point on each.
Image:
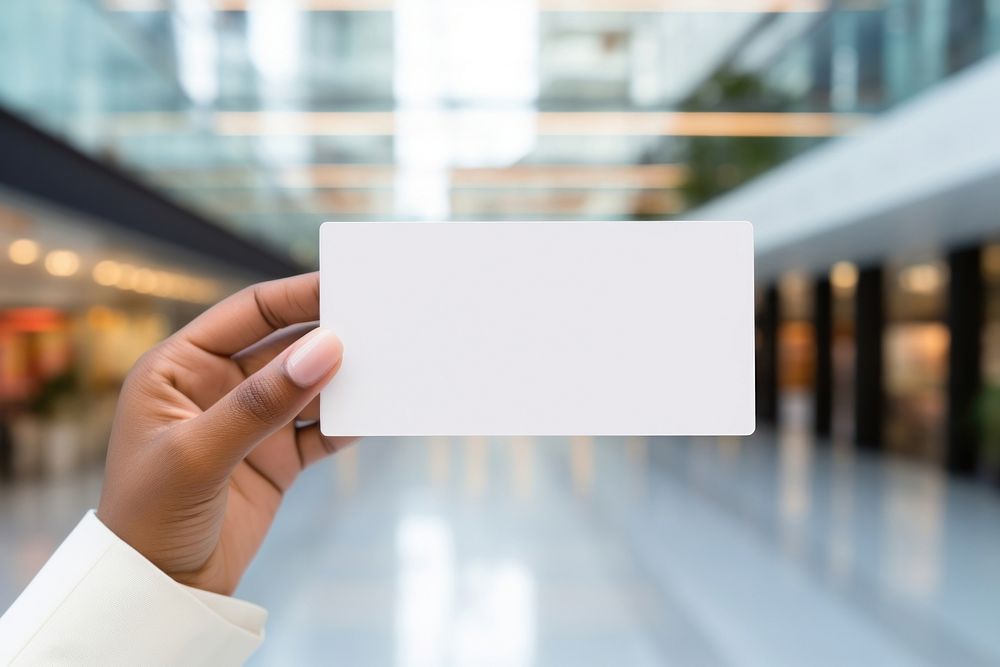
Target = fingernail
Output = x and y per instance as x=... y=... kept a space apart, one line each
x=315 y=355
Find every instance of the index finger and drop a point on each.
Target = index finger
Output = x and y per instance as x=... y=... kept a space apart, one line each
x=253 y=313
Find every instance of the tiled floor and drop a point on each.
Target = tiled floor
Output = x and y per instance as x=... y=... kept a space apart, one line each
x=764 y=551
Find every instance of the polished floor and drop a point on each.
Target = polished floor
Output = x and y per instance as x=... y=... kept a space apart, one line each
x=601 y=551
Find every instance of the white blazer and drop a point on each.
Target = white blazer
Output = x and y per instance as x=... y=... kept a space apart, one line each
x=98 y=601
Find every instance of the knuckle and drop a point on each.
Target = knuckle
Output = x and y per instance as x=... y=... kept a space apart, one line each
x=149 y=365
x=267 y=312
x=147 y=361
x=261 y=398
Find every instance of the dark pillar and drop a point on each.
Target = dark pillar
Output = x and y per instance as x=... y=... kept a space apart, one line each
x=767 y=364
x=965 y=322
x=869 y=406
x=823 y=338
x=6 y=450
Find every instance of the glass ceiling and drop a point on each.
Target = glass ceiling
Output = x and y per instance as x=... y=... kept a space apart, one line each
x=271 y=116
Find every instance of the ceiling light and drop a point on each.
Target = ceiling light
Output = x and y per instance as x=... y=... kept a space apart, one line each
x=844 y=276
x=23 y=251
x=546 y=123
x=922 y=278
x=146 y=281
x=126 y=279
x=107 y=273
x=62 y=263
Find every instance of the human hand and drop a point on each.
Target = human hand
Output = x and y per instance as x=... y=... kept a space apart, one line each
x=205 y=440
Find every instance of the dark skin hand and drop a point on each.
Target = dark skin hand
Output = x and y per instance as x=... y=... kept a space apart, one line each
x=213 y=426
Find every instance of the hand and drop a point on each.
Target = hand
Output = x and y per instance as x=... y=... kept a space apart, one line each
x=205 y=441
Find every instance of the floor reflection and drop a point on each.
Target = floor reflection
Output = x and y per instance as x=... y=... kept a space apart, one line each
x=594 y=551
x=425 y=590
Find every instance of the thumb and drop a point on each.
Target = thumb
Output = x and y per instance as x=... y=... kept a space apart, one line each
x=270 y=398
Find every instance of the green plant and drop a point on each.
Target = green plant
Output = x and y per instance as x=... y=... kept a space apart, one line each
x=717 y=164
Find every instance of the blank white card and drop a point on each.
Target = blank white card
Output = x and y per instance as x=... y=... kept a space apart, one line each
x=539 y=328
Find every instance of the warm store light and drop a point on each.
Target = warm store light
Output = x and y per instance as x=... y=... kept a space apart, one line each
x=991 y=261
x=162 y=284
x=62 y=263
x=126 y=279
x=104 y=318
x=146 y=281
x=922 y=278
x=23 y=251
x=844 y=276
x=107 y=273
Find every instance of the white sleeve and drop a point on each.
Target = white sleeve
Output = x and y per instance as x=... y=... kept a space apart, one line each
x=98 y=601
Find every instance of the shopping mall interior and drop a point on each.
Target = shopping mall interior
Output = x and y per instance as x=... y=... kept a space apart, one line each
x=157 y=155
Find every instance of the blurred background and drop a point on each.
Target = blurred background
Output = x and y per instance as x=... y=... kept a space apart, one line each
x=156 y=155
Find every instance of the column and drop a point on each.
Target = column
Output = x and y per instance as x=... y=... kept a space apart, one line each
x=767 y=363
x=869 y=410
x=823 y=337
x=965 y=323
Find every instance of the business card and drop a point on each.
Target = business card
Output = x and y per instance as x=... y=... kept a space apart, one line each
x=539 y=328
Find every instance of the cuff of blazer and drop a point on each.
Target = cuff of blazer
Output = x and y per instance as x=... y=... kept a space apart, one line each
x=98 y=601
